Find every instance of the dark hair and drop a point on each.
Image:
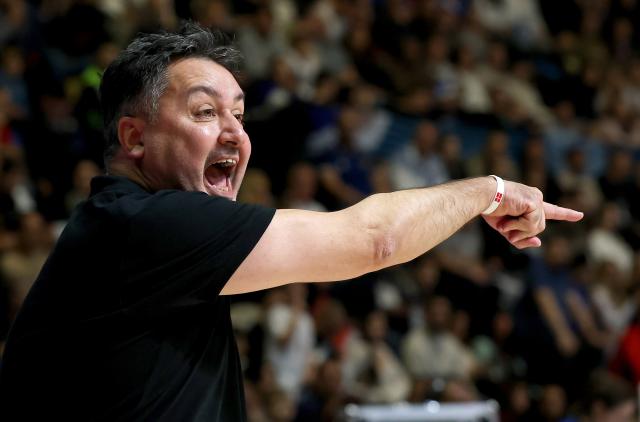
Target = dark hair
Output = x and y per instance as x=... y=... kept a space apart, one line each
x=608 y=389
x=134 y=82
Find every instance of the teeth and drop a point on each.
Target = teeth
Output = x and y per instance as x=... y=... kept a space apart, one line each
x=226 y=163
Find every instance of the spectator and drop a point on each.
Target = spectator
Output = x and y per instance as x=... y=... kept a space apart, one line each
x=83 y=173
x=322 y=399
x=553 y=403
x=345 y=171
x=494 y=157
x=372 y=372
x=419 y=162
x=574 y=178
x=12 y=68
x=451 y=153
x=304 y=59
x=301 y=188
x=626 y=362
x=289 y=337
x=21 y=266
x=449 y=359
x=616 y=182
x=604 y=242
x=615 y=302
x=474 y=93
x=564 y=322
x=260 y=41
x=361 y=76
x=256 y=188
x=605 y=398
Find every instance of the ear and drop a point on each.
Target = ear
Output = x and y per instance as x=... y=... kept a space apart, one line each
x=130 y=130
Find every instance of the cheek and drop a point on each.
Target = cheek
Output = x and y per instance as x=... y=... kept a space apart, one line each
x=247 y=147
x=197 y=144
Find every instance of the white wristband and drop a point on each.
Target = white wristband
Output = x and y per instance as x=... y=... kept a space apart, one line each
x=497 y=198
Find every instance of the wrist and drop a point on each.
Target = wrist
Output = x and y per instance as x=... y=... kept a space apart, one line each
x=498 y=195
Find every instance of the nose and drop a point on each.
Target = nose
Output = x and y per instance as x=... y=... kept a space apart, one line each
x=231 y=131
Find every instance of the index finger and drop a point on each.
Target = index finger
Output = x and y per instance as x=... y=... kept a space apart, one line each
x=554 y=212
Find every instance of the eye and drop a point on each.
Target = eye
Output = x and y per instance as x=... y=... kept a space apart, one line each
x=206 y=113
x=240 y=118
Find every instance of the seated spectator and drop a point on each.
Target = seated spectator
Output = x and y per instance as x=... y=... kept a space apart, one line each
x=615 y=302
x=289 y=337
x=418 y=164
x=83 y=173
x=324 y=397
x=304 y=59
x=561 y=135
x=333 y=325
x=449 y=360
x=257 y=188
x=464 y=269
x=280 y=407
x=559 y=332
x=451 y=153
x=12 y=69
x=552 y=405
x=260 y=41
x=372 y=372
x=494 y=158
x=605 y=243
x=616 y=182
x=16 y=196
x=474 y=94
x=20 y=266
x=302 y=187
x=344 y=171
x=574 y=178
x=497 y=362
x=626 y=362
x=522 y=22
x=517 y=406
x=605 y=397
x=523 y=92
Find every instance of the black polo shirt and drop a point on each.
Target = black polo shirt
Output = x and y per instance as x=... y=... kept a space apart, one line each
x=125 y=321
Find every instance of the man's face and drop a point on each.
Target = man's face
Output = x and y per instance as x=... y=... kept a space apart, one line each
x=197 y=141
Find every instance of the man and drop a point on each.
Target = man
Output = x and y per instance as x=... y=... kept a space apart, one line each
x=129 y=318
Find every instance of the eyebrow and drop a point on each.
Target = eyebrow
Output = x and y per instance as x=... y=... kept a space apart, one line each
x=212 y=92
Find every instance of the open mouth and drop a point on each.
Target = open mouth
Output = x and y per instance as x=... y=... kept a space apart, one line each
x=218 y=175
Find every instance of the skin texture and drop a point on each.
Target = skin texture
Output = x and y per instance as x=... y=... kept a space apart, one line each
x=385 y=230
x=199 y=122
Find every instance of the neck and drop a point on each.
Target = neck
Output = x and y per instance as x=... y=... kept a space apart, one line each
x=124 y=168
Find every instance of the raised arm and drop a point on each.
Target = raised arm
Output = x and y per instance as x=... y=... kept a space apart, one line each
x=384 y=230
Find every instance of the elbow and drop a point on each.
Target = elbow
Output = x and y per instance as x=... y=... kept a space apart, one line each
x=384 y=246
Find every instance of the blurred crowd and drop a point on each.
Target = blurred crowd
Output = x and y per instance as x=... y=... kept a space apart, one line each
x=346 y=98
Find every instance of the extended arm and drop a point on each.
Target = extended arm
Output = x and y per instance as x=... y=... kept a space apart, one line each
x=384 y=230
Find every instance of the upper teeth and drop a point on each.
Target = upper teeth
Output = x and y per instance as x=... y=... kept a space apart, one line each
x=226 y=163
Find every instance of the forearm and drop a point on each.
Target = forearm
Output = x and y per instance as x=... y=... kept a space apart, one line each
x=551 y=313
x=384 y=230
x=406 y=224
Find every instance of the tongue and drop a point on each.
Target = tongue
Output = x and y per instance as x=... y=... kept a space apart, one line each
x=217 y=177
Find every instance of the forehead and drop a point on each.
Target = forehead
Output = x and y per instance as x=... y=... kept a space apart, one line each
x=188 y=73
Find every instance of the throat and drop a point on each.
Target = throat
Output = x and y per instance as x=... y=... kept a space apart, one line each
x=218 y=178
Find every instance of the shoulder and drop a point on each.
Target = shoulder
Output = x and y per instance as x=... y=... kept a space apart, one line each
x=187 y=209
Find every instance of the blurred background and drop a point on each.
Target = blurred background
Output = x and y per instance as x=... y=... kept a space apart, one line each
x=346 y=98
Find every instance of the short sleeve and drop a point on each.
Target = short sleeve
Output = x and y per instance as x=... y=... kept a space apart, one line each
x=182 y=247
